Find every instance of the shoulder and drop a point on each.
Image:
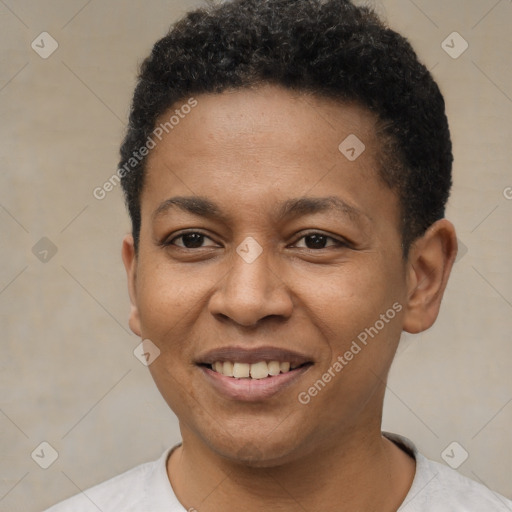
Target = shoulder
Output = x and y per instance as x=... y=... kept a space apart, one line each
x=444 y=489
x=438 y=488
x=135 y=490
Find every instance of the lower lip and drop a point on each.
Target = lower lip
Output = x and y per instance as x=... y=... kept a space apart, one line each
x=252 y=390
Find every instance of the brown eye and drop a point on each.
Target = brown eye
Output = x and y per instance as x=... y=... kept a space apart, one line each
x=192 y=240
x=319 y=241
x=315 y=241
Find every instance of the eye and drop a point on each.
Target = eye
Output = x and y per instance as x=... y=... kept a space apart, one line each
x=190 y=240
x=197 y=240
x=316 y=240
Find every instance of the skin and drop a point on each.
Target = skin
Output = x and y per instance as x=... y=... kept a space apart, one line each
x=248 y=151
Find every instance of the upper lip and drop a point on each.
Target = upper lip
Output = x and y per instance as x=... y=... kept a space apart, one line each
x=252 y=355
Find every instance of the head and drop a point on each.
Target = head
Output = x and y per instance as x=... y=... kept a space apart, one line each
x=291 y=167
x=329 y=49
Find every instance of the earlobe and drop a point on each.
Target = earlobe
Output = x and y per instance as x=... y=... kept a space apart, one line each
x=429 y=265
x=130 y=264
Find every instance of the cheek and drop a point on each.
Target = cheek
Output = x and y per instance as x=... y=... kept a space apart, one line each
x=160 y=303
x=363 y=335
x=344 y=300
x=172 y=303
x=169 y=303
x=358 y=311
x=167 y=295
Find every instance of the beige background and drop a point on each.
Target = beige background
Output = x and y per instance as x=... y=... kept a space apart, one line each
x=68 y=374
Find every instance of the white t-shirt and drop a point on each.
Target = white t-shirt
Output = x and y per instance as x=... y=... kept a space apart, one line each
x=146 y=488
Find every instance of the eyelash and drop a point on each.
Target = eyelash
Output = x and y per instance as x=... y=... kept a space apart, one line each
x=338 y=243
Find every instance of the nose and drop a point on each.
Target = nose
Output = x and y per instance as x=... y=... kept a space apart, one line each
x=250 y=292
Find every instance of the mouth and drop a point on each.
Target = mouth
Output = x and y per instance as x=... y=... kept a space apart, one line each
x=258 y=370
x=252 y=374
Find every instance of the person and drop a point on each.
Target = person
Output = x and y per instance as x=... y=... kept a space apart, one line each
x=286 y=168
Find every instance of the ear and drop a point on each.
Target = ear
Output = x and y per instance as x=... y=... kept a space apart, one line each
x=130 y=264
x=429 y=264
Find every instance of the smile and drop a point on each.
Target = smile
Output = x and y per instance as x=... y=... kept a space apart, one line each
x=252 y=375
x=259 y=370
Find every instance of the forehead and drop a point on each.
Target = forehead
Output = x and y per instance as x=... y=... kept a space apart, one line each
x=253 y=145
x=252 y=116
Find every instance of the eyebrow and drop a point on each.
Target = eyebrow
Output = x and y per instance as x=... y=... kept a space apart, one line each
x=311 y=205
x=203 y=207
x=195 y=205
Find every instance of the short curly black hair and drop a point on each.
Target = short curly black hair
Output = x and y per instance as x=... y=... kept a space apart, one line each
x=331 y=48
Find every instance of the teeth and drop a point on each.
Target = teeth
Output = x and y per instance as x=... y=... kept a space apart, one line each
x=241 y=370
x=227 y=369
x=260 y=370
x=274 y=368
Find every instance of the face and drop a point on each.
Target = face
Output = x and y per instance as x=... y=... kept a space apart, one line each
x=262 y=248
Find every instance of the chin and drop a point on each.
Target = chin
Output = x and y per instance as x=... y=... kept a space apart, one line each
x=256 y=449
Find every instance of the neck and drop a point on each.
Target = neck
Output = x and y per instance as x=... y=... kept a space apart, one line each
x=360 y=471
